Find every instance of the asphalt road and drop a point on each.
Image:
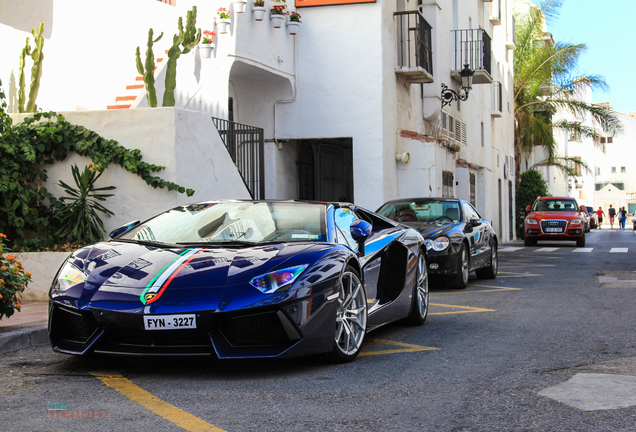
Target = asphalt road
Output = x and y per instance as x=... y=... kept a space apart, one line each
x=510 y=354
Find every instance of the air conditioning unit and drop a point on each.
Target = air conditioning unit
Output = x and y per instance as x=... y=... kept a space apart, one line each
x=453 y=128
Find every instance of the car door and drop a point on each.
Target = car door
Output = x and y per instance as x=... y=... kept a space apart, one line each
x=478 y=236
x=370 y=262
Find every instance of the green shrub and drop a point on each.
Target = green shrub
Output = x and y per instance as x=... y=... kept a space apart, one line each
x=79 y=214
x=26 y=207
x=531 y=186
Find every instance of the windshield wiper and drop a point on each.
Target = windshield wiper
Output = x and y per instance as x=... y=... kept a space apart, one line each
x=146 y=243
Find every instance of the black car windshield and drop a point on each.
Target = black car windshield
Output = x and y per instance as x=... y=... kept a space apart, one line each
x=425 y=210
x=235 y=222
x=555 y=204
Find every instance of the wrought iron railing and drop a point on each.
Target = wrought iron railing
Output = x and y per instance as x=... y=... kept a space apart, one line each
x=414 y=41
x=246 y=147
x=472 y=48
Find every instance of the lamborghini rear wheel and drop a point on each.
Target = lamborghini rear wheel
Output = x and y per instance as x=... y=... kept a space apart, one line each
x=351 y=318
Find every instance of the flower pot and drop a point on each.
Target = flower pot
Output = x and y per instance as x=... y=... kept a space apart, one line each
x=277 y=20
x=239 y=5
x=223 y=25
x=292 y=27
x=206 y=50
x=259 y=13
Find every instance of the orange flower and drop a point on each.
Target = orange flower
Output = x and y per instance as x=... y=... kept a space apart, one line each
x=18 y=306
x=21 y=268
x=3 y=268
x=2 y=235
x=0 y=296
x=28 y=274
x=10 y=257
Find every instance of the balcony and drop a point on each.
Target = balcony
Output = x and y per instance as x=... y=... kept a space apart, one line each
x=497 y=100
x=415 y=54
x=472 y=47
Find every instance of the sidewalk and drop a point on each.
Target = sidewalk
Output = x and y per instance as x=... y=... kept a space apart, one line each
x=26 y=328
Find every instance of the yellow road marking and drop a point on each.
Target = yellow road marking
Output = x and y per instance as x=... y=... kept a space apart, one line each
x=466 y=309
x=152 y=403
x=479 y=291
x=408 y=348
x=516 y=274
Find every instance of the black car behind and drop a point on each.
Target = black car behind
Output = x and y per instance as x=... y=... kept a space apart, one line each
x=458 y=239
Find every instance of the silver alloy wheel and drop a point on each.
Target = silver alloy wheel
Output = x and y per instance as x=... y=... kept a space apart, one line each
x=351 y=317
x=422 y=286
x=465 y=271
x=494 y=260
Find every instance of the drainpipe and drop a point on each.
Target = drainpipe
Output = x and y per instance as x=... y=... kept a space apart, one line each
x=280 y=145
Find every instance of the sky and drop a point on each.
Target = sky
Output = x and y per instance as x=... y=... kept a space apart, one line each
x=607 y=28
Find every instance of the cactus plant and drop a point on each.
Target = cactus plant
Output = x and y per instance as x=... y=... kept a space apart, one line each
x=187 y=39
x=148 y=72
x=36 y=71
x=21 y=79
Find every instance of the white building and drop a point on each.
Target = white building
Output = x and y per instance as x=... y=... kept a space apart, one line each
x=350 y=108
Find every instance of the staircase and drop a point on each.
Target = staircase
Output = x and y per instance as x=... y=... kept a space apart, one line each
x=132 y=91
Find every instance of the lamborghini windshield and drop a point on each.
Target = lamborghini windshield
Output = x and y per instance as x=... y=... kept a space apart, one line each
x=234 y=222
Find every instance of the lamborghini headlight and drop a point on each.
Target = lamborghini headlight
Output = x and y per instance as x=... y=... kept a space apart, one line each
x=68 y=277
x=439 y=244
x=274 y=281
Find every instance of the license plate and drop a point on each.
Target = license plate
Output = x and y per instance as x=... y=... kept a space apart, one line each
x=170 y=322
x=553 y=230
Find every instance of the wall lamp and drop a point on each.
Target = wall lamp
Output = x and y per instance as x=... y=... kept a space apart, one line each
x=449 y=95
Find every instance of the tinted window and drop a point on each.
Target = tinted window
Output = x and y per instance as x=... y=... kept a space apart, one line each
x=554 y=205
x=421 y=211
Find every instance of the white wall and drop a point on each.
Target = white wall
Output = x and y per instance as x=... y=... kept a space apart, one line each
x=185 y=142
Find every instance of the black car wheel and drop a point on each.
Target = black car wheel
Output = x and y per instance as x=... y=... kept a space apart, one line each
x=460 y=280
x=581 y=242
x=419 y=305
x=490 y=272
x=351 y=318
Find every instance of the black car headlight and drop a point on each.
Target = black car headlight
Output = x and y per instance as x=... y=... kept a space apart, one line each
x=274 y=281
x=439 y=244
x=68 y=277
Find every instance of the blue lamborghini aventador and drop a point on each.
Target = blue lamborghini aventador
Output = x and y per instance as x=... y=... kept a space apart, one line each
x=237 y=279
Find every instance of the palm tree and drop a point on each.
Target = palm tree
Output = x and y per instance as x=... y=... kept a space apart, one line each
x=544 y=83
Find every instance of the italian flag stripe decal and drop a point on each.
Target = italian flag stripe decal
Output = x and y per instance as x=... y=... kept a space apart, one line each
x=161 y=281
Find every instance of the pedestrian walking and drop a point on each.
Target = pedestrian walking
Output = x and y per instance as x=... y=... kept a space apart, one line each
x=612 y=214
x=599 y=216
x=622 y=217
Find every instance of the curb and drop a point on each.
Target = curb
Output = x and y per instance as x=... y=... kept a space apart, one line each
x=23 y=338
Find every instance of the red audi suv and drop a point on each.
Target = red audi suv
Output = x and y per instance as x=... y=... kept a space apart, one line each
x=555 y=218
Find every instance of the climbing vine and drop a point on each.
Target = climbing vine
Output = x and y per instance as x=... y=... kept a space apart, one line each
x=27 y=209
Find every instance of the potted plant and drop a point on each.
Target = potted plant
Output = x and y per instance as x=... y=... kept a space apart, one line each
x=293 y=23
x=239 y=5
x=259 y=10
x=223 y=20
x=278 y=13
x=207 y=43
